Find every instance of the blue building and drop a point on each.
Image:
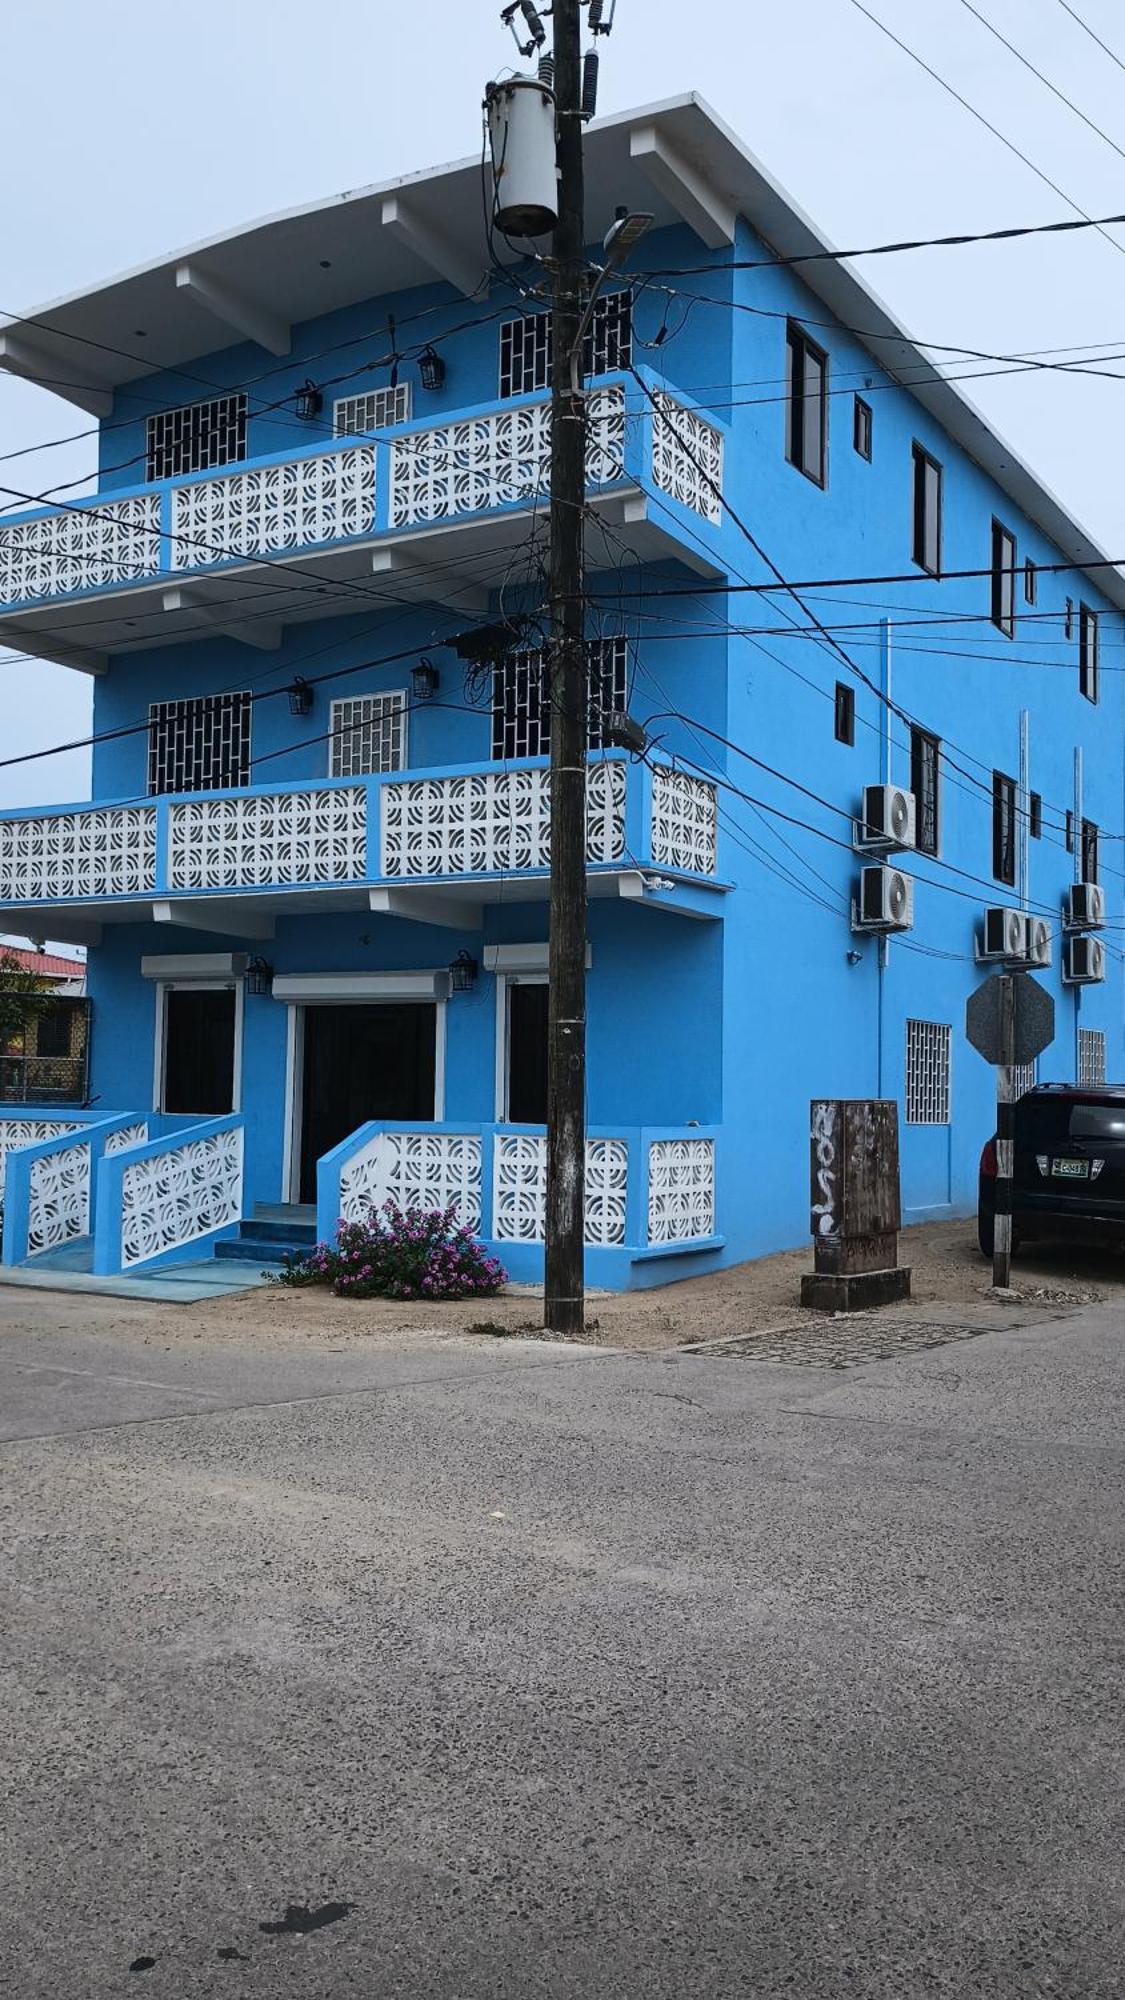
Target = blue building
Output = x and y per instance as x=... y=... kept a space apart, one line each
x=312 y=876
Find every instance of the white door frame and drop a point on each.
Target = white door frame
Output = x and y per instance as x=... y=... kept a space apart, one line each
x=295 y=1079
x=162 y=989
x=504 y=983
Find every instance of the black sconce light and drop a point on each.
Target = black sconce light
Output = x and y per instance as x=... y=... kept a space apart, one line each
x=463 y=973
x=259 y=977
x=425 y=680
x=308 y=401
x=431 y=368
x=300 y=697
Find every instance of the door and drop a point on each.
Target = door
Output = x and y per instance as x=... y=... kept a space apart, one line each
x=199 y=1049
x=361 y=1063
x=526 y=1092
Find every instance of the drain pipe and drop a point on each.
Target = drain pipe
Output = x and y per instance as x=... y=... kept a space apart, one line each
x=884 y=945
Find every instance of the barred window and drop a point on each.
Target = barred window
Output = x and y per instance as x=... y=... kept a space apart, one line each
x=928 y=1053
x=521 y=717
x=368 y=734
x=1091 y=1058
x=525 y=345
x=195 y=437
x=1023 y=1078
x=202 y=745
x=375 y=410
x=1088 y=652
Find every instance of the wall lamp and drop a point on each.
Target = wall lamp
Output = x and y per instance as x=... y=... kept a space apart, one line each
x=309 y=401
x=431 y=368
x=463 y=973
x=258 y=978
x=425 y=680
x=300 y=697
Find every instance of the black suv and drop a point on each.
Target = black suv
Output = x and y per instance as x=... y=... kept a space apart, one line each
x=1069 y=1174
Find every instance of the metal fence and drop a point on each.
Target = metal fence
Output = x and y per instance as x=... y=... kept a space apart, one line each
x=45 y=1057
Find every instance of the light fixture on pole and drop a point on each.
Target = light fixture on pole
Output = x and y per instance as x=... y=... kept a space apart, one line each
x=626 y=229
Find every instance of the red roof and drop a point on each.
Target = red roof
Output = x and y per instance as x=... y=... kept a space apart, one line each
x=45 y=963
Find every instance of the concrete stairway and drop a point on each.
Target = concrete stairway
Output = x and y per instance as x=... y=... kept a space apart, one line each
x=272 y=1230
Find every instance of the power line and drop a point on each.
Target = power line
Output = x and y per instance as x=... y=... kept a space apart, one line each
x=1045 y=80
x=1087 y=29
x=1089 y=221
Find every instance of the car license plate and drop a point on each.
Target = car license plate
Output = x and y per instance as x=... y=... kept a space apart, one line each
x=1071 y=1170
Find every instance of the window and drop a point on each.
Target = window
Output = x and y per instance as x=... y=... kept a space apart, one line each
x=525 y=345
x=53 y=1025
x=845 y=713
x=1089 y=851
x=861 y=428
x=196 y=437
x=1069 y=831
x=1087 y=652
x=368 y=734
x=1003 y=579
x=525 y=1073
x=521 y=720
x=1030 y=582
x=1035 y=816
x=925 y=774
x=806 y=406
x=376 y=410
x=927 y=511
x=1091 y=1074
x=1068 y=621
x=1004 y=828
x=199 y=746
x=928 y=1051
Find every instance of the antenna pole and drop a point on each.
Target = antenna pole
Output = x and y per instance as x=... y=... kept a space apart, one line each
x=566 y=685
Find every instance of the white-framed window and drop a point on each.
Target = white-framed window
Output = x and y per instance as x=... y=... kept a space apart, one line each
x=1091 y=1058
x=521 y=713
x=368 y=734
x=521 y=1048
x=199 y=745
x=374 y=410
x=196 y=437
x=525 y=345
x=928 y=1056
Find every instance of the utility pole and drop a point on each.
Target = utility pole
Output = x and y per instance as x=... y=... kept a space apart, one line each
x=567 y=692
x=1005 y=1135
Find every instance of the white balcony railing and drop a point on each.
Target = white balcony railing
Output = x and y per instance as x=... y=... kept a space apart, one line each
x=269 y=510
x=60 y=555
x=492 y=822
x=496 y=459
x=269 y=837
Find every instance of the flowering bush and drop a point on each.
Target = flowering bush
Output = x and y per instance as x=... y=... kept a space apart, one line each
x=400 y=1253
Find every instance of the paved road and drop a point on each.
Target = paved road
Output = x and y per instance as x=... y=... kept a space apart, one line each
x=539 y=1673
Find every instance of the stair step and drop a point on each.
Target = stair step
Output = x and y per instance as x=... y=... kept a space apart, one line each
x=289 y=1230
x=285 y=1211
x=258 y=1249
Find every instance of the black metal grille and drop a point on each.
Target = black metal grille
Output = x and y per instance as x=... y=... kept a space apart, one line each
x=44 y=1053
x=196 y=437
x=521 y=713
x=201 y=745
x=525 y=345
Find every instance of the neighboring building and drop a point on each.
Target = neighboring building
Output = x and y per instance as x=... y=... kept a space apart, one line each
x=44 y=1041
x=307 y=808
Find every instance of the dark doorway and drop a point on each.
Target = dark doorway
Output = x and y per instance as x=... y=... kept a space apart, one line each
x=199 y=1049
x=361 y=1063
x=527 y=1053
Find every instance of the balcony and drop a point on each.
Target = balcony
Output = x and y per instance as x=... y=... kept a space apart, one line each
x=349 y=527
x=435 y=846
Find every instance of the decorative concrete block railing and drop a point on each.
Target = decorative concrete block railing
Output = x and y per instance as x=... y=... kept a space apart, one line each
x=490 y=458
x=50 y=1183
x=462 y=821
x=649 y=1192
x=170 y=1199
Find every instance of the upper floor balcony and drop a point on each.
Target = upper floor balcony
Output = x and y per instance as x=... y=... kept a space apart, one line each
x=421 y=511
x=434 y=846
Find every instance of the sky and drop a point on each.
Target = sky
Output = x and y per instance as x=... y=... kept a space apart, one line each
x=139 y=126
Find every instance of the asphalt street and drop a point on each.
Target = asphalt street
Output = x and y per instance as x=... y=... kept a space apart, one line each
x=456 y=1670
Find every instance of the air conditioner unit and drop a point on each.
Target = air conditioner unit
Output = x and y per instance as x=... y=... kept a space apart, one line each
x=886 y=901
x=1005 y=934
x=888 y=820
x=1038 y=941
x=1085 y=906
x=1083 y=961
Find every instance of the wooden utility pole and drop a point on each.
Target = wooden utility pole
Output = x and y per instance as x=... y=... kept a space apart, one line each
x=1005 y=1135
x=566 y=686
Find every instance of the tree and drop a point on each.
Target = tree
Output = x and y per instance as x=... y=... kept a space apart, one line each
x=20 y=993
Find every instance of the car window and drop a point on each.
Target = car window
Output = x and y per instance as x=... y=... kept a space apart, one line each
x=1045 y=1122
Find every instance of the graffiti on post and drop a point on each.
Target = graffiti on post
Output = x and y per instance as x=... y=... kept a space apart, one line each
x=824 y=1148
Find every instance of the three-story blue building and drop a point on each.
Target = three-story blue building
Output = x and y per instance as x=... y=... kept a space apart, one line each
x=313 y=872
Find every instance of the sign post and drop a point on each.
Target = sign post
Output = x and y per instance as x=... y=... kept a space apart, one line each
x=1010 y=1019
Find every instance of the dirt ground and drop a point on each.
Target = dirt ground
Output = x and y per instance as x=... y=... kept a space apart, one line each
x=760 y=1297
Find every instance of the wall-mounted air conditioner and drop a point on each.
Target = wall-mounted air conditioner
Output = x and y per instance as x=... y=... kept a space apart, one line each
x=1038 y=941
x=1004 y=936
x=1085 y=906
x=886 y=901
x=1083 y=961
x=887 y=820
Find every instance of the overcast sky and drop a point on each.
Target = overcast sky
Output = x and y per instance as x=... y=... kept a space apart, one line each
x=139 y=126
